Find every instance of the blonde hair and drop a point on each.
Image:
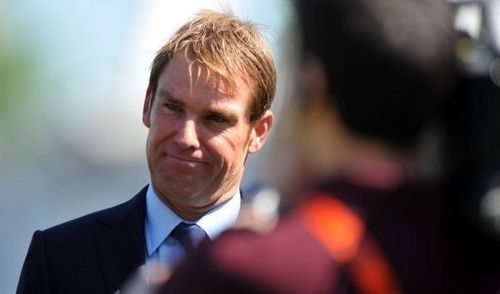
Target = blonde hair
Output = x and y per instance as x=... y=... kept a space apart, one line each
x=228 y=47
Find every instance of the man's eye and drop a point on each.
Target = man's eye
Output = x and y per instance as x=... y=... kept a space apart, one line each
x=217 y=118
x=172 y=107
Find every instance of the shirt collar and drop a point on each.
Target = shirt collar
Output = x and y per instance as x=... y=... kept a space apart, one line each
x=161 y=220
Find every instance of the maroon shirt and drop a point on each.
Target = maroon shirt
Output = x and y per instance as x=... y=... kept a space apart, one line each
x=408 y=223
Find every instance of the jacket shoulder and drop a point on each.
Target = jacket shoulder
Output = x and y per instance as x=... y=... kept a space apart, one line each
x=103 y=218
x=73 y=257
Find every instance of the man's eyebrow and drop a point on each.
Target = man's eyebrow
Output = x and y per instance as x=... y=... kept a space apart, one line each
x=165 y=94
x=226 y=114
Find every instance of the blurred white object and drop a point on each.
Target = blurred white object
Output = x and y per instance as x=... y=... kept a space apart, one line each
x=490 y=208
x=259 y=210
x=146 y=280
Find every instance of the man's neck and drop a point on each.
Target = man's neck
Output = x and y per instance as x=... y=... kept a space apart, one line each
x=194 y=211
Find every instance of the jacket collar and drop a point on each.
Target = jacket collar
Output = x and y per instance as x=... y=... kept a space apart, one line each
x=121 y=243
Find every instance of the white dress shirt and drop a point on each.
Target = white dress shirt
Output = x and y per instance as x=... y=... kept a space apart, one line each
x=161 y=220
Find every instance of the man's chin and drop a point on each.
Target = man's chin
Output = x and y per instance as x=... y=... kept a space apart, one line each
x=183 y=189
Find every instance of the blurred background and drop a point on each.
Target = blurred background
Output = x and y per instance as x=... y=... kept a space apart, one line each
x=72 y=80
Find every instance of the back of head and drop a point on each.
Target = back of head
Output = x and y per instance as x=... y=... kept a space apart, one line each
x=388 y=62
x=228 y=47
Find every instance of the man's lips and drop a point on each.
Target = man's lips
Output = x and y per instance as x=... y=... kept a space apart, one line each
x=191 y=161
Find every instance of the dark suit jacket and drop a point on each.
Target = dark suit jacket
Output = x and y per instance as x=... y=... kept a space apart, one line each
x=92 y=254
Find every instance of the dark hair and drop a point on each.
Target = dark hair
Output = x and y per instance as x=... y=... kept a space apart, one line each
x=388 y=63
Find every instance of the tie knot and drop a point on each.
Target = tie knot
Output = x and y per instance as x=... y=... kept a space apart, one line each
x=188 y=235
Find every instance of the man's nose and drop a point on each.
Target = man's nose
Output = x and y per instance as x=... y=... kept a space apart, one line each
x=187 y=136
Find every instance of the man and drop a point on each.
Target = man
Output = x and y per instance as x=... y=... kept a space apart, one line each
x=207 y=107
x=375 y=75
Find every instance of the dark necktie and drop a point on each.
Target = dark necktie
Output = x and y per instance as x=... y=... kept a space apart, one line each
x=189 y=235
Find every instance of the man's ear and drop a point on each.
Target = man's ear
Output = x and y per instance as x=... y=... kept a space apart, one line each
x=146 y=110
x=260 y=132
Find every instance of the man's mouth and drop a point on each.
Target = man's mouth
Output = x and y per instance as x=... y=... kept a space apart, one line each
x=186 y=160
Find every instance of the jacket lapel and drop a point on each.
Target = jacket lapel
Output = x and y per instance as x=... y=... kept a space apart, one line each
x=121 y=243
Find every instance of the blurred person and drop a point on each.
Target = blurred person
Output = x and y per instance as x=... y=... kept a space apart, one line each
x=375 y=76
x=207 y=107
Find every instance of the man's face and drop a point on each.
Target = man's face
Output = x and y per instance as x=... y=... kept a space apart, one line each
x=199 y=136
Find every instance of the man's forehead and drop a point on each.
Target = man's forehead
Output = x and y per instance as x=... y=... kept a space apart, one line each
x=223 y=104
x=171 y=88
x=183 y=71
